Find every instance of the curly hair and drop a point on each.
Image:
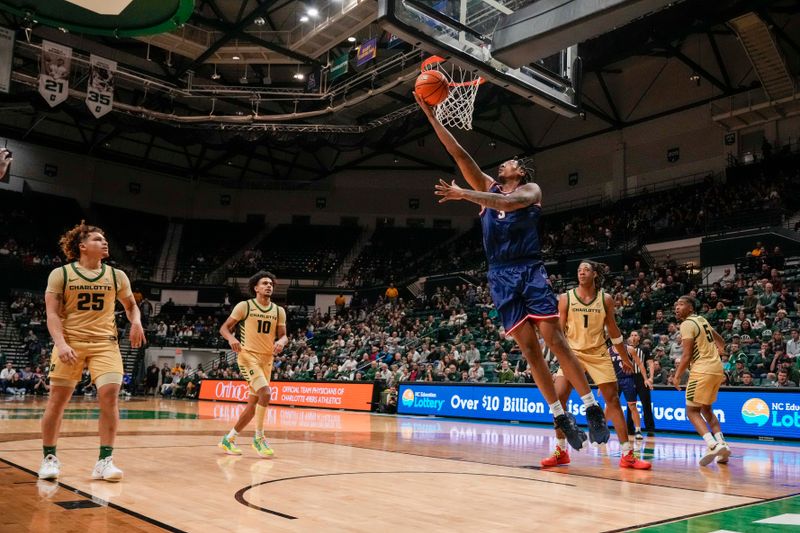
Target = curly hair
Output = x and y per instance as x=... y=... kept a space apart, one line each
x=253 y=281
x=71 y=240
x=526 y=164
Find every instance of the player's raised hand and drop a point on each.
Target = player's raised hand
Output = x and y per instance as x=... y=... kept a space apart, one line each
x=66 y=354
x=428 y=110
x=137 y=335
x=448 y=191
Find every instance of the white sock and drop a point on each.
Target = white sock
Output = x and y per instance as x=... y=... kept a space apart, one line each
x=638 y=429
x=709 y=438
x=561 y=443
x=719 y=437
x=232 y=434
x=259 y=433
x=557 y=408
x=626 y=447
x=588 y=399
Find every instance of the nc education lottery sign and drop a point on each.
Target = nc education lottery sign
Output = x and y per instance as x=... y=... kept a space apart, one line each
x=334 y=395
x=759 y=413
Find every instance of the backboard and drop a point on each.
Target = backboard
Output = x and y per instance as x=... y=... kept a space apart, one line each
x=461 y=31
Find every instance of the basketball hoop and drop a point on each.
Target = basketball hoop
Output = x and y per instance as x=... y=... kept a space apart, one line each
x=456 y=111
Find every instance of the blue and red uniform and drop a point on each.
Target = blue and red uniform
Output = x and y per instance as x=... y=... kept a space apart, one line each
x=627 y=385
x=518 y=280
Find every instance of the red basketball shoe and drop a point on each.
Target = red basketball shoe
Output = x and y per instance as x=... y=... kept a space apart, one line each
x=559 y=457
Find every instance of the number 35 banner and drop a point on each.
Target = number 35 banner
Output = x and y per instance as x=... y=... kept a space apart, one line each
x=100 y=92
x=54 y=72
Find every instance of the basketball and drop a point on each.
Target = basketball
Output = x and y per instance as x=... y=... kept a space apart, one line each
x=432 y=87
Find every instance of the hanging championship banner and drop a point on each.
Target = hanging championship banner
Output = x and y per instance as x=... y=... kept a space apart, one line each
x=100 y=91
x=54 y=72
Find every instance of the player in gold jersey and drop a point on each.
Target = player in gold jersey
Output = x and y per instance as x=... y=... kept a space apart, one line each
x=260 y=322
x=585 y=313
x=80 y=301
x=702 y=347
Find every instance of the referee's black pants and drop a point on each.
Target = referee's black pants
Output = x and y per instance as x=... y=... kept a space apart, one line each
x=647 y=407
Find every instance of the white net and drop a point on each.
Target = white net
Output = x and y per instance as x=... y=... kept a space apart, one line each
x=456 y=111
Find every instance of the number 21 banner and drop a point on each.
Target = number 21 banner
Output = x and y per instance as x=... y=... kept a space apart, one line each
x=100 y=92
x=54 y=72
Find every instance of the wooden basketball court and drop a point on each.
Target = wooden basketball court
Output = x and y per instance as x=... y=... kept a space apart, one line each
x=344 y=471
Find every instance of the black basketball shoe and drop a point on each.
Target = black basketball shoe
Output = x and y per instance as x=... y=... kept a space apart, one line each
x=575 y=435
x=598 y=427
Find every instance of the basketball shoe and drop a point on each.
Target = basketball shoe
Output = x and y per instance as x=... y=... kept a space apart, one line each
x=575 y=436
x=724 y=454
x=261 y=446
x=629 y=460
x=559 y=457
x=105 y=470
x=719 y=449
x=50 y=467
x=229 y=446
x=598 y=427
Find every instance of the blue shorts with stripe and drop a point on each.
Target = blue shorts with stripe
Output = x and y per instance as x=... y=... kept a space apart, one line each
x=522 y=292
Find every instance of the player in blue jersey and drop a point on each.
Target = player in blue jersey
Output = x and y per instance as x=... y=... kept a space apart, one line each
x=511 y=208
x=627 y=382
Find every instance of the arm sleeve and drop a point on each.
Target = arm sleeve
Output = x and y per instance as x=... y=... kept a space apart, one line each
x=123 y=284
x=281 y=316
x=239 y=312
x=689 y=329
x=56 y=281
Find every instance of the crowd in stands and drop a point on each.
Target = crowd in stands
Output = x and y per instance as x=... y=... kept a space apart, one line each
x=141 y=241
x=207 y=244
x=298 y=251
x=453 y=333
x=390 y=253
x=762 y=193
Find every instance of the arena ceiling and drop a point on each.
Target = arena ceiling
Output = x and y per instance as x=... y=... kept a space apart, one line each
x=188 y=99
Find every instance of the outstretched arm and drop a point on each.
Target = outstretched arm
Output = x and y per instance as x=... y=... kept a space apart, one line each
x=476 y=178
x=522 y=197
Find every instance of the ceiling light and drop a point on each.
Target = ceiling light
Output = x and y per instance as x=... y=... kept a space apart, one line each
x=236 y=57
x=298 y=76
x=351 y=39
x=243 y=80
x=312 y=12
x=304 y=19
x=215 y=76
x=260 y=21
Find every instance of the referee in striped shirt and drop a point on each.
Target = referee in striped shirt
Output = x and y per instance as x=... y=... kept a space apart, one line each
x=642 y=387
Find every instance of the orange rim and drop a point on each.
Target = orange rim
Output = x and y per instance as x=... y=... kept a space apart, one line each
x=432 y=61
x=478 y=81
